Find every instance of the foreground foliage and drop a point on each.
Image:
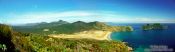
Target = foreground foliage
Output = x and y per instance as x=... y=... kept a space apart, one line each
x=5 y=39
x=38 y=43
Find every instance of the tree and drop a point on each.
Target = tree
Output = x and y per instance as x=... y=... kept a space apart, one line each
x=5 y=37
x=5 y=31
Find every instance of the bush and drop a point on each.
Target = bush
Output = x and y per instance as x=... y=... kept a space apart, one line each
x=41 y=43
x=5 y=31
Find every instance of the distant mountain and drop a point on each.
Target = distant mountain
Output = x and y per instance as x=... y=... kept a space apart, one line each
x=60 y=27
x=56 y=23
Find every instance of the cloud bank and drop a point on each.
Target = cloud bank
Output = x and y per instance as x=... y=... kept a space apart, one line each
x=87 y=16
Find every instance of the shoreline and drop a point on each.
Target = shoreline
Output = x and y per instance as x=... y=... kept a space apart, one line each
x=109 y=36
x=97 y=35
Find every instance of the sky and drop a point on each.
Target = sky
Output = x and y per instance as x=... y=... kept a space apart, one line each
x=118 y=11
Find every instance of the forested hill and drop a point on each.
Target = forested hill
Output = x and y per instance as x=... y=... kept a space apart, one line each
x=66 y=28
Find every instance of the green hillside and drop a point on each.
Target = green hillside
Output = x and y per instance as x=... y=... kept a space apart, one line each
x=39 y=43
x=67 y=28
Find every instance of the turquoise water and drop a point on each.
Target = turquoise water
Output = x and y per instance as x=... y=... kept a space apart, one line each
x=139 y=39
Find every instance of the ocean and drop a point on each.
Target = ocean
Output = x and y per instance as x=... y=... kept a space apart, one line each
x=141 y=40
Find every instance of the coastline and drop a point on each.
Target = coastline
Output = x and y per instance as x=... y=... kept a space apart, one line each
x=109 y=36
x=97 y=35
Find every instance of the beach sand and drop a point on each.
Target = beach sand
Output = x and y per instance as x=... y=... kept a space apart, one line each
x=95 y=34
x=98 y=35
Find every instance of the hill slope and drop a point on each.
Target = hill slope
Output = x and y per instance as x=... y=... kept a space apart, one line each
x=39 y=43
x=69 y=28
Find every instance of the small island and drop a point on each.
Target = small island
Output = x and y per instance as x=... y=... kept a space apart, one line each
x=154 y=26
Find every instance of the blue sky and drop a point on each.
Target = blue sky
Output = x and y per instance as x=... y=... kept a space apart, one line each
x=119 y=11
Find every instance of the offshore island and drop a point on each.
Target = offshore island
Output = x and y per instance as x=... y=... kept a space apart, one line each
x=63 y=36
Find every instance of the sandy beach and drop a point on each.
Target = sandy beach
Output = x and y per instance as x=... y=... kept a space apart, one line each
x=98 y=35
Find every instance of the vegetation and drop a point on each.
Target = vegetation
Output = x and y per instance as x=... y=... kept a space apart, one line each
x=5 y=38
x=5 y=30
x=155 y=26
x=68 y=28
x=40 y=43
x=129 y=28
x=33 y=42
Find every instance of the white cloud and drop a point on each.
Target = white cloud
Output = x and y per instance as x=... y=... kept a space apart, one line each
x=155 y=20
x=0 y=21
x=87 y=16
